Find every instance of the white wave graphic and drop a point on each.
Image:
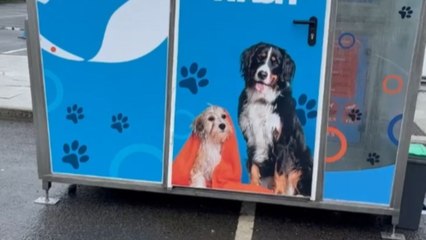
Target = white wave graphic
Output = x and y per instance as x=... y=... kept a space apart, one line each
x=134 y=30
x=43 y=1
x=56 y=50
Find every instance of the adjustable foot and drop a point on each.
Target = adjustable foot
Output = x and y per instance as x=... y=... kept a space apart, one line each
x=393 y=235
x=46 y=200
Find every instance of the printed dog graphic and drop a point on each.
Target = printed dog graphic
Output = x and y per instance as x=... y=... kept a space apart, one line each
x=278 y=157
x=213 y=128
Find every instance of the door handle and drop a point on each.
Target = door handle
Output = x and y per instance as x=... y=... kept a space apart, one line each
x=312 y=31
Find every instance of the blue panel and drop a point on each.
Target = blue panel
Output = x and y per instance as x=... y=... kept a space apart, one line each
x=368 y=186
x=215 y=39
x=105 y=119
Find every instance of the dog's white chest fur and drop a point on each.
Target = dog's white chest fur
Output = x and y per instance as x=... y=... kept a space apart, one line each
x=209 y=156
x=258 y=123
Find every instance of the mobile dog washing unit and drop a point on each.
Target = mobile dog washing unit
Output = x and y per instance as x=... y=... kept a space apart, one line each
x=295 y=102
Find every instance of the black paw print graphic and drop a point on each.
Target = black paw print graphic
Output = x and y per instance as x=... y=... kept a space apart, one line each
x=120 y=122
x=75 y=154
x=75 y=113
x=373 y=158
x=405 y=12
x=306 y=109
x=354 y=114
x=193 y=78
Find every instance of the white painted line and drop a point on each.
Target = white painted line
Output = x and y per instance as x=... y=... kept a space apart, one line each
x=13 y=16
x=13 y=28
x=246 y=221
x=292 y=2
x=15 y=51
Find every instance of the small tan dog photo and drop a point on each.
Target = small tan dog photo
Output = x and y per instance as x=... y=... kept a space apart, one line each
x=213 y=127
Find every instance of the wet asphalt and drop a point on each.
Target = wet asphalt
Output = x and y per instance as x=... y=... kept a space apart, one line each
x=102 y=213
x=12 y=24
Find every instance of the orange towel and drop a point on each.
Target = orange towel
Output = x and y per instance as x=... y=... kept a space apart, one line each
x=227 y=174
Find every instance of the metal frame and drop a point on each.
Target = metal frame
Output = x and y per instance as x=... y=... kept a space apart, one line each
x=326 y=99
x=168 y=147
x=218 y=194
x=43 y=152
x=174 y=4
x=38 y=91
x=408 y=119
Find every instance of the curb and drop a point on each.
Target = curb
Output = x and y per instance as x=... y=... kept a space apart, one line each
x=16 y=115
x=418 y=139
x=12 y=28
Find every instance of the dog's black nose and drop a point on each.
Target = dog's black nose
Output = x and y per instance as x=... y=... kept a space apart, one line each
x=262 y=75
x=222 y=126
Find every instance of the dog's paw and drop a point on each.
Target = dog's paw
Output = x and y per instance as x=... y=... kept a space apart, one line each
x=75 y=154
x=198 y=185
x=120 y=122
x=280 y=184
x=255 y=180
x=279 y=189
x=75 y=113
x=373 y=158
x=198 y=181
x=306 y=109
x=255 y=175
x=193 y=78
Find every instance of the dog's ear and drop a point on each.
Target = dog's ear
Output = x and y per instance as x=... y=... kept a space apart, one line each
x=288 y=68
x=198 y=126
x=246 y=60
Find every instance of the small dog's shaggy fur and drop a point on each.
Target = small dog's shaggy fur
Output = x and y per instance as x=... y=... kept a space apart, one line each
x=213 y=128
x=277 y=155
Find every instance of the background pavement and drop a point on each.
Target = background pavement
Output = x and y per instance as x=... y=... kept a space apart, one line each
x=15 y=94
x=12 y=21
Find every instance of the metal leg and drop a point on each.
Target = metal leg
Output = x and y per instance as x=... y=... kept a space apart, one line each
x=393 y=235
x=46 y=200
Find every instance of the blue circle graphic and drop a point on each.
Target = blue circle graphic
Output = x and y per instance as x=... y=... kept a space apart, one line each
x=52 y=105
x=128 y=151
x=391 y=126
x=191 y=117
x=347 y=34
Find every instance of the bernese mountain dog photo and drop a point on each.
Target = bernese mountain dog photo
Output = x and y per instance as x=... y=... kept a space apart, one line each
x=278 y=157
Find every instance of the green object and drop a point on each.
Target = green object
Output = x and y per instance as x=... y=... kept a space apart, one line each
x=418 y=150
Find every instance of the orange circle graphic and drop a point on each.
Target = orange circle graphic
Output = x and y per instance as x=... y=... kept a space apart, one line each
x=343 y=145
x=398 y=89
